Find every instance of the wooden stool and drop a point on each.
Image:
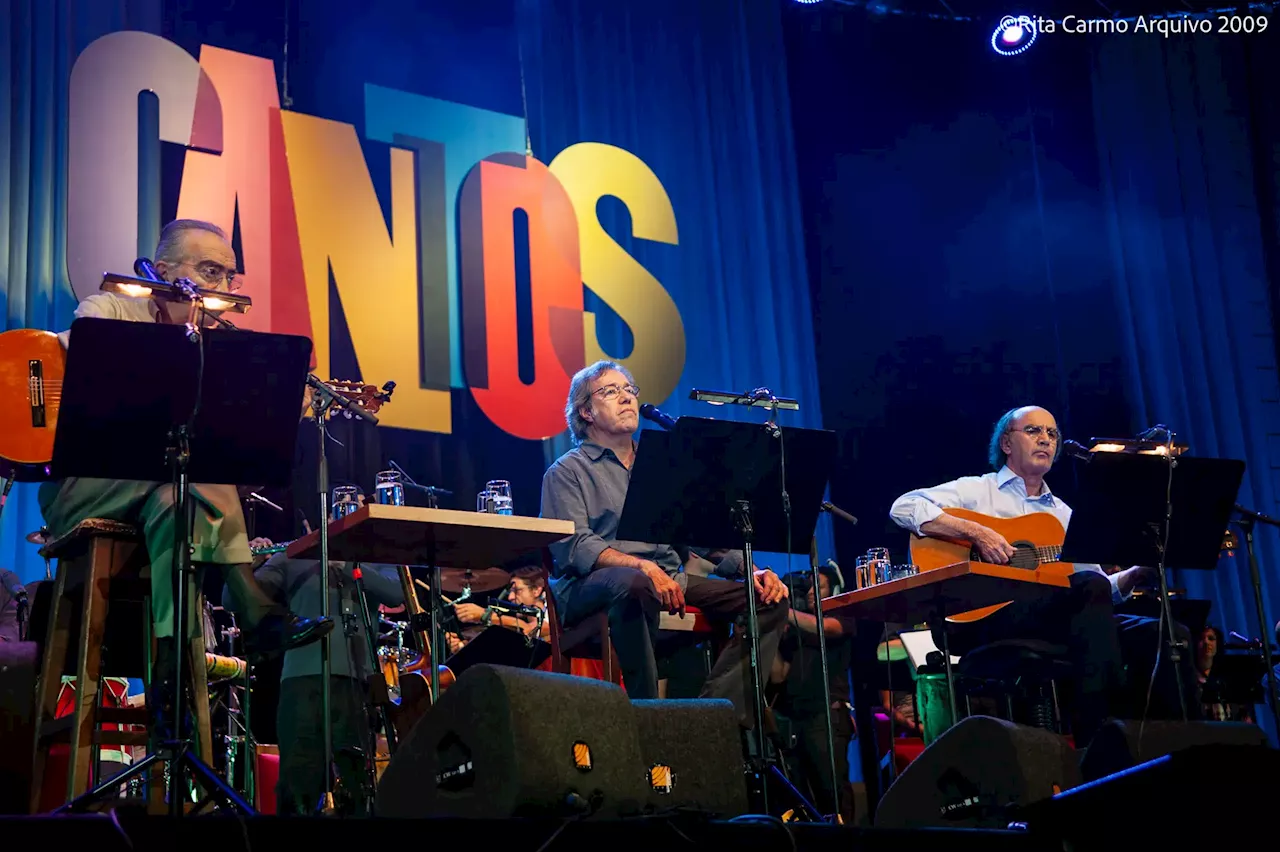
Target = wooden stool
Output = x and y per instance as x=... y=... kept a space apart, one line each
x=93 y=555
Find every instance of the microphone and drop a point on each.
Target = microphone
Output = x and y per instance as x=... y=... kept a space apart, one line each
x=654 y=415
x=1076 y=450
x=828 y=506
x=144 y=268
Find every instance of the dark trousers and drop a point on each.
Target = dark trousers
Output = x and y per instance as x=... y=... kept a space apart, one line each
x=300 y=727
x=1080 y=618
x=810 y=767
x=633 y=609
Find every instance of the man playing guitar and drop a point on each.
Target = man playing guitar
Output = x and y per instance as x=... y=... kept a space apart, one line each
x=1024 y=446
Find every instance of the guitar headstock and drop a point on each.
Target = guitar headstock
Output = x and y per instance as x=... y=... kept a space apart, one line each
x=369 y=397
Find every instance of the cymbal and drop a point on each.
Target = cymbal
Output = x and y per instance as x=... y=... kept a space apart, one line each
x=40 y=537
x=454 y=580
x=892 y=651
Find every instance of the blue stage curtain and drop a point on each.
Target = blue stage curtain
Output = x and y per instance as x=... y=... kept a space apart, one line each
x=39 y=42
x=1178 y=130
x=699 y=92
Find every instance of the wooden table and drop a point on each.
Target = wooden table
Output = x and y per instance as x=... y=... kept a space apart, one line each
x=411 y=535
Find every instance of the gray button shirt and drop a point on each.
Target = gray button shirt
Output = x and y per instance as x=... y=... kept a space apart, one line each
x=588 y=485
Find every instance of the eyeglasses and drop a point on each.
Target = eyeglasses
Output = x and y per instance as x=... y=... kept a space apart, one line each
x=1037 y=431
x=611 y=391
x=215 y=274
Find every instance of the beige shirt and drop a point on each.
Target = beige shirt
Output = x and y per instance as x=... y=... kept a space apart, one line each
x=112 y=306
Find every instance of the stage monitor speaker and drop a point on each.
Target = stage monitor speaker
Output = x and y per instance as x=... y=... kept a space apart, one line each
x=505 y=742
x=1124 y=743
x=692 y=756
x=19 y=667
x=978 y=773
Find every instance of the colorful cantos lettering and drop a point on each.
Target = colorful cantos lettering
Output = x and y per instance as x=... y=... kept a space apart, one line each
x=428 y=285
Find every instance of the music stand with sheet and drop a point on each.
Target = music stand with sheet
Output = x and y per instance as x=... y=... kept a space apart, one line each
x=718 y=484
x=1167 y=512
x=144 y=402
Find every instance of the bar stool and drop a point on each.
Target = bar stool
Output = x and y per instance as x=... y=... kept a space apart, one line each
x=97 y=560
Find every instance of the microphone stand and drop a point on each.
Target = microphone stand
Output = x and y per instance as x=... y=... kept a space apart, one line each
x=815 y=574
x=323 y=400
x=1246 y=522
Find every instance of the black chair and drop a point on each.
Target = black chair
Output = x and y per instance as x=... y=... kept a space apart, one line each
x=1023 y=674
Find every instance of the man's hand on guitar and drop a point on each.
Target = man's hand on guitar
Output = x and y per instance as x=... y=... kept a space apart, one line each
x=669 y=591
x=993 y=546
x=769 y=587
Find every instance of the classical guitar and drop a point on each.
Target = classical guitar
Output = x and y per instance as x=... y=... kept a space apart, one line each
x=32 y=365
x=1036 y=538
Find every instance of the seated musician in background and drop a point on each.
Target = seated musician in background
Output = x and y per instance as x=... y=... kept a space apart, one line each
x=300 y=714
x=802 y=700
x=634 y=581
x=528 y=588
x=1024 y=445
x=201 y=252
x=1208 y=646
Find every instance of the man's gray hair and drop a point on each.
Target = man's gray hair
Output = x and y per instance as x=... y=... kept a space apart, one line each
x=169 y=249
x=580 y=396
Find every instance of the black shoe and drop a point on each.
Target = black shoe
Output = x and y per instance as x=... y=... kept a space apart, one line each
x=277 y=633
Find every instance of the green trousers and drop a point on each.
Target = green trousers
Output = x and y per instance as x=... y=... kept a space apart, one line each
x=218 y=531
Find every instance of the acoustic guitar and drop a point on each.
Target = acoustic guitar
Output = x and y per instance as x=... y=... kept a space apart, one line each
x=1036 y=538
x=32 y=365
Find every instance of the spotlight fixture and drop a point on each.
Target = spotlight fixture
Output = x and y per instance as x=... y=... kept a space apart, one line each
x=1013 y=35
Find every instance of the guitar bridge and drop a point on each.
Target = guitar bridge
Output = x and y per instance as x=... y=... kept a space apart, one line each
x=35 y=393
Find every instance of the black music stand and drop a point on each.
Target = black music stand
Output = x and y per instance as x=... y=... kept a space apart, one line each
x=719 y=484
x=499 y=646
x=1166 y=512
x=187 y=416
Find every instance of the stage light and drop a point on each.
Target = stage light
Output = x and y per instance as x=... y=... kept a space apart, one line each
x=1013 y=35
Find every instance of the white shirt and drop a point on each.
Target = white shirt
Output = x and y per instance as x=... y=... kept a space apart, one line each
x=112 y=306
x=1002 y=495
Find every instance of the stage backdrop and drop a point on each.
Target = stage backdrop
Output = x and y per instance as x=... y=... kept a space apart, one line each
x=472 y=200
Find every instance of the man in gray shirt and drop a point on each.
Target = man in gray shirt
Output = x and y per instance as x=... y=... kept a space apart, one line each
x=635 y=581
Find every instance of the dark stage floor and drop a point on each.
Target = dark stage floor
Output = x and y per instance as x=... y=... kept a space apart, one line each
x=137 y=832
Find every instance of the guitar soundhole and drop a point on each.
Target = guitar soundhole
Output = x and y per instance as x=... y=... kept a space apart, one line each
x=1024 y=555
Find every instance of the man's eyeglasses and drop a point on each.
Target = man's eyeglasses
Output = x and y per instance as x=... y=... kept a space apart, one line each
x=611 y=391
x=215 y=274
x=1037 y=431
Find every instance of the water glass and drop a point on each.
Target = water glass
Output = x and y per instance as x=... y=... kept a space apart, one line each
x=501 y=490
x=389 y=488
x=897 y=572
x=346 y=499
x=863 y=573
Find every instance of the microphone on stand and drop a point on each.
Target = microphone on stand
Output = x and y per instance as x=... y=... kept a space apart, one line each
x=654 y=415
x=1076 y=450
x=144 y=268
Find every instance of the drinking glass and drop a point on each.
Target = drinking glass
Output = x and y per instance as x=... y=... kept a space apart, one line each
x=389 y=488
x=862 y=573
x=487 y=501
x=346 y=499
x=501 y=490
